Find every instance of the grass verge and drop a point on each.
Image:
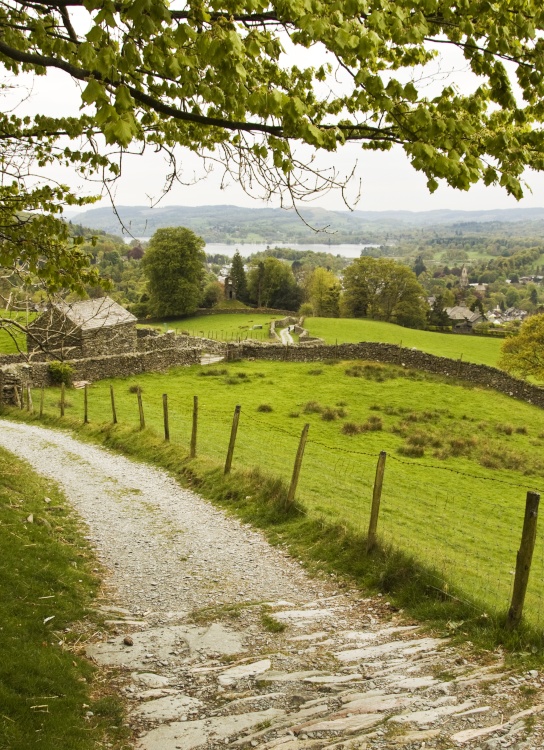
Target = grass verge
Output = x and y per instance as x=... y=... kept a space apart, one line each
x=49 y=695
x=326 y=547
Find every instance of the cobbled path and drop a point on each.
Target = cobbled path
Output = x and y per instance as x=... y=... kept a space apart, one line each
x=222 y=640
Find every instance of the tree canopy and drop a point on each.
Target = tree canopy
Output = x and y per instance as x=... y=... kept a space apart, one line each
x=383 y=289
x=238 y=78
x=174 y=266
x=523 y=354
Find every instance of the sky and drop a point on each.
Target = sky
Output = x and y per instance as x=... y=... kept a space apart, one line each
x=386 y=179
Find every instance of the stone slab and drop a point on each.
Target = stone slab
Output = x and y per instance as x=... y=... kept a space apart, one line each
x=170 y=708
x=157 y=644
x=368 y=653
x=243 y=671
x=150 y=679
x=188 y=735
x=430 y=715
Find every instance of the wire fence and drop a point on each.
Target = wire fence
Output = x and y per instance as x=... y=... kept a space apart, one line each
x=465 y=527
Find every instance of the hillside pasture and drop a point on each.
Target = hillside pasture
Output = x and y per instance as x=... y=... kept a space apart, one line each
x=460 y=459
x=223 y=327
x=478 y=349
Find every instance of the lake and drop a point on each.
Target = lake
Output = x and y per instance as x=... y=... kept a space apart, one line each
x=218 y=248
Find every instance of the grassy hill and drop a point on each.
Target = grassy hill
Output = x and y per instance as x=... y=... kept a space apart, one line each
x=460 y=459
x=478 y=349
x=236 y=224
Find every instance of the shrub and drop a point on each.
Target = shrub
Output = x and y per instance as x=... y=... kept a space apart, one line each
x=312 y=407
x=350 y=428
x=60 y=372
x=264 y=407
x=134 y=388
x=329 y=415
x=374 y=423
x=306 y=309
x=413 y=451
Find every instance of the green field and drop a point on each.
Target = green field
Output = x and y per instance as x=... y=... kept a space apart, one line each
x=478 y=349
x=223 y=327
x=13 y=340
x=460 y=459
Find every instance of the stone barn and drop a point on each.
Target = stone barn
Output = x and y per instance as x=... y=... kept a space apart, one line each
x=89 y=328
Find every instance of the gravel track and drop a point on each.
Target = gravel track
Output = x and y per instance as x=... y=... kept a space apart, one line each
x=166 y=548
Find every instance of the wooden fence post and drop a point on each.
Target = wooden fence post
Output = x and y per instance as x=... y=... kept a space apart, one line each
x=85 y=404
x=29 y=406
x=298 y=464
x=524 y=559
x=460 y=366
x=141 y=409
x=376 y=498
x=165 y=415
x=232 y=441
x=195 y=427
x=42 y=397
x=62 y=393
x=113 y=411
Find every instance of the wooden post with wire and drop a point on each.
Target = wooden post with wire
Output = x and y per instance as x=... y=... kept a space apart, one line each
x=460 y=367
x=524 y=559
x=141 y=409
x=113 y=410
x=62 y=398
x=195 y=427
x=372 y=537
x=232 y=441
x=29 y=405
x=165 y=415
x=42 y=398
x=298 y=464
x=85 y=404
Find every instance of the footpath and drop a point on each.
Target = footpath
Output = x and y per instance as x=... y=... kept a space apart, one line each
x=218 y=639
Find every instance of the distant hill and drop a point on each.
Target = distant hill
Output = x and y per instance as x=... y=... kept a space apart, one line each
x=234 y=224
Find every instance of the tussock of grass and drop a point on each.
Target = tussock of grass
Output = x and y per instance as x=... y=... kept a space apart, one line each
x=265 y=408
x=312 y=407
x=315 y=372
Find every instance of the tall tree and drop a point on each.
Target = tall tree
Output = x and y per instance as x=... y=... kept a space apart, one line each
x=323 y=290
x=523 y=354
x=238 y=276
x=174 y=264
x=386 y=290
x=271 y=284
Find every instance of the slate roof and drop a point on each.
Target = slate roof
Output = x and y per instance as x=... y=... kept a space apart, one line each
x=459 y=312
x=95 y=313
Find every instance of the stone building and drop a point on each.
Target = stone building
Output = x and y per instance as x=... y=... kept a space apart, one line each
x=230 y=291
x=89 y=328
